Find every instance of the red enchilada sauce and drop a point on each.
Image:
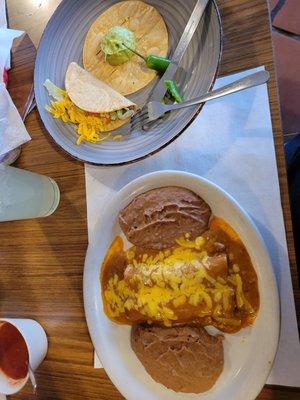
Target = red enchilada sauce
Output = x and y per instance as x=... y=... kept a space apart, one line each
x=13 y=352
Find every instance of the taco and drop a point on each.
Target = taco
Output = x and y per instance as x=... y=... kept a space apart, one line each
x=90 y=104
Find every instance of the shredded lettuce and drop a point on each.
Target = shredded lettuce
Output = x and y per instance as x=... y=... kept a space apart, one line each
x=113 y=116
x=125 y=113
x=54 y=91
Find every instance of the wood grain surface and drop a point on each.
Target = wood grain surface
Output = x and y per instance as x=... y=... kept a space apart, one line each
x=42 y=260
x=20 y=83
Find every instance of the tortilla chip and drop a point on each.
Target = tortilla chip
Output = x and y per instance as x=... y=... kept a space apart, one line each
x=151 y=38
x=92 y=95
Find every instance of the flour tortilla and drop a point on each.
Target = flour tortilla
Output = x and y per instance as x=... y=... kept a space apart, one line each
x=151 y=38
x=92 y=95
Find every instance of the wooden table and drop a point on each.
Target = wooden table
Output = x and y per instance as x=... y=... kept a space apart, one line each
x=42 y=260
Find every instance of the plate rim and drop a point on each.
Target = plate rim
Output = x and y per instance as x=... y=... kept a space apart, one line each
x=151 y=153
x=145 y=180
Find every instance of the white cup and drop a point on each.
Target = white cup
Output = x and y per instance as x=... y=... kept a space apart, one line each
x=37 y=345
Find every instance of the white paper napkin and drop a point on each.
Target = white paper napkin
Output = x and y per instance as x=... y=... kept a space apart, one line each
x=3 y=21
x=7 y=37
x=231 y=144
x=12 y=129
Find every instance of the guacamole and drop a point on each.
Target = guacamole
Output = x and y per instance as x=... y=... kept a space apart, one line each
x=112 y=45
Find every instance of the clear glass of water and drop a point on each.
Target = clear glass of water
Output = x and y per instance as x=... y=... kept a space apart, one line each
x=25 y=194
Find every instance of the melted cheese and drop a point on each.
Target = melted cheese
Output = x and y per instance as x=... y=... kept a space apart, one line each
x=158 y=286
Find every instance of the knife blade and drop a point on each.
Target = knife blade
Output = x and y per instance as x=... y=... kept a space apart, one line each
x=160 y=90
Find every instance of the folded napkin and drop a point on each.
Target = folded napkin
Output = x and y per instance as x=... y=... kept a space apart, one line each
x=12 y=129
x=230 y=143
x=7 y=37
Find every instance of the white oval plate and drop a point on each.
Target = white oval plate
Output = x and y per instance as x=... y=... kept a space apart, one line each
x=249 y=354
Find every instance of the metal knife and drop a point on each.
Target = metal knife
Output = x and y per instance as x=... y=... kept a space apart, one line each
x=160 y=90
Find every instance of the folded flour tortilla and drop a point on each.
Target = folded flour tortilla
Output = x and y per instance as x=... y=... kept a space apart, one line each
x=92 y=95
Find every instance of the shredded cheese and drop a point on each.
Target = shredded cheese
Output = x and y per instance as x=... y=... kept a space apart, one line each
x=89 y=127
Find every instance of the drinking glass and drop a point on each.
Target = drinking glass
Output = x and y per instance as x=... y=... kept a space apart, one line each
x=25 y=194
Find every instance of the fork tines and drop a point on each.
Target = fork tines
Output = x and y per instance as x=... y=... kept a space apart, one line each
x=139 y=119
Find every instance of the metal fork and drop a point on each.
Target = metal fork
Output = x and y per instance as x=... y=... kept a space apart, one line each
x=156 y=109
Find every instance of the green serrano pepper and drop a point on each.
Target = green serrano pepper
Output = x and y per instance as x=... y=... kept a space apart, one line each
x=173 y=90
x=158 y=63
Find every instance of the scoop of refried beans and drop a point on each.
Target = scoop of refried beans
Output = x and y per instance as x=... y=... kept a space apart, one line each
x=185 y=358
x=155 y=219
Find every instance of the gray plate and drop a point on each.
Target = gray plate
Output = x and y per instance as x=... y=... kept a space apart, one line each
x=62 y=43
